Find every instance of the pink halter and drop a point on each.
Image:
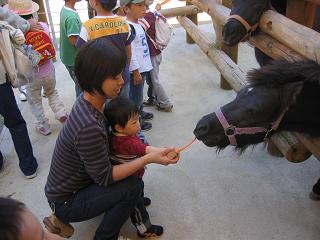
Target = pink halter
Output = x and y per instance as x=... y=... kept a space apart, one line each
x=231 y=131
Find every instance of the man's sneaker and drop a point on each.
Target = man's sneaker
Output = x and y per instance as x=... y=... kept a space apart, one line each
x=152 y=232
x=146 y=116
x=314 y=196
x=33 y=175
x=63 y=119
x=146 y=201
x=56 y=226
x=43 y=128
x=164 y=109
x=145 y=126
x=23 y=97
x=149 y=103
x=23 y=93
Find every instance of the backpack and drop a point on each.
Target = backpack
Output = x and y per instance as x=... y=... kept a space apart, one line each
x=16 y=62
x=42 y=43
x=163 y=31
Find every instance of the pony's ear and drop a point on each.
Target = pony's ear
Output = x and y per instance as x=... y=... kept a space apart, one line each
x=289 y=93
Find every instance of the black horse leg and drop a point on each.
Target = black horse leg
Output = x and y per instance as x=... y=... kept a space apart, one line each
x=315 y=194
x=261 y=57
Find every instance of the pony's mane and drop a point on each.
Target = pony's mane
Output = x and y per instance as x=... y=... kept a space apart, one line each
x=280 y=72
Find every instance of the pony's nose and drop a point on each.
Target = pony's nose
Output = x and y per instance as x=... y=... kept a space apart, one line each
x=201 y=129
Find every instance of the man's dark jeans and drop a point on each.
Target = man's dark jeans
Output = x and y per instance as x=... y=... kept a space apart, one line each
x=116 y=201
x=14 y=121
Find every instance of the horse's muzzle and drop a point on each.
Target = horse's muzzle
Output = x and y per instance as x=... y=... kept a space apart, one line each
x=201 y=129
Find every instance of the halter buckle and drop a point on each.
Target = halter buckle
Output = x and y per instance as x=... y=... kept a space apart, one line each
x=230 y=131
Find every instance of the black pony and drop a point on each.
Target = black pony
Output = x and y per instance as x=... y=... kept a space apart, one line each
x=280 y=96
x=251 y=10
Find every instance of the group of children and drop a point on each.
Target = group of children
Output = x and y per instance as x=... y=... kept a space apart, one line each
x=134 y=39
x=143 y=59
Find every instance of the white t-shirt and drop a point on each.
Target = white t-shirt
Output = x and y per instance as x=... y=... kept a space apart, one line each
x=140 y=58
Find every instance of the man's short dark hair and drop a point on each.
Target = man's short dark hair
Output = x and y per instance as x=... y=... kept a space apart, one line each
x=10 y=218
x=96 y=61
x=108 y=5
x=119 y=111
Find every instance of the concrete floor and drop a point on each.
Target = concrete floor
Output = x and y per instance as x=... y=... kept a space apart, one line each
x=207 y=195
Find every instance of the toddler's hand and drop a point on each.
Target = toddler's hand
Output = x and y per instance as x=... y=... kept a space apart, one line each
x=161 y=157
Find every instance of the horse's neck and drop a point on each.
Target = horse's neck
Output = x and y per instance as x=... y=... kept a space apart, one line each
x=304 y=115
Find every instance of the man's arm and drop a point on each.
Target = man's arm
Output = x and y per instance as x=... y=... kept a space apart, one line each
x=73 y=40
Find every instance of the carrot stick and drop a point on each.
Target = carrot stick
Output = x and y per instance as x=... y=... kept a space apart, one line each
x=177 y=151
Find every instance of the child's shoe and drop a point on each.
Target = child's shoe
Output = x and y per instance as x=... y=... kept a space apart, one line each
x=164 y=109
x=43 y=128
x=145 y=126
x=23 y=97
x=63 y=119
x=146 y=116
x=23 y=93
x=155 y=231
x=149 y=103
x=56 y=226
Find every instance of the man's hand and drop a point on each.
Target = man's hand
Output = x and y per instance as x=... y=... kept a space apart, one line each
x=35 y=26
x=137 y=78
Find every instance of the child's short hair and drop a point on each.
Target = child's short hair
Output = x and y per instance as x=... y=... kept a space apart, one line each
x=119 y=111
x=108 y=5
x=96 y=61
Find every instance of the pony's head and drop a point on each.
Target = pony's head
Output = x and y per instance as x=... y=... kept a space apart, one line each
x=258 y=108
x=244 y=17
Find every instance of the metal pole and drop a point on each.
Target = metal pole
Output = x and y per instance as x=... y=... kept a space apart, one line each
x=51 y=24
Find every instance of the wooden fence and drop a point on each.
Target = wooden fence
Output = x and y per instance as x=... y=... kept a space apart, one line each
x=280 y=38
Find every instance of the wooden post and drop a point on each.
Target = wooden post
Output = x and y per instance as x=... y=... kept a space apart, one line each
x=301 y=12
x=290 y=147
x=180 y=11
x=194 y=19
x=42 y=12
x=232 y=52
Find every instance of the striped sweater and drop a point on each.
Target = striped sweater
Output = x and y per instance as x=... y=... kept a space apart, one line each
x=81 y=154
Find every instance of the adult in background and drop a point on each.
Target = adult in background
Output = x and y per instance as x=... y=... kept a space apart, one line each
x=70 y=26
x=13 y=119
x=82 y=182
